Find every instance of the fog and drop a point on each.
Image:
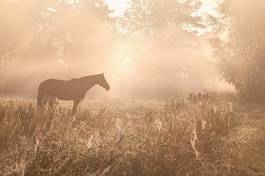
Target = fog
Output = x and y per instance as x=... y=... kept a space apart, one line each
x=65 y=40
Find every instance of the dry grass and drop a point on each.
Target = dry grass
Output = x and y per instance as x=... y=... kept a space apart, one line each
x=189 y=137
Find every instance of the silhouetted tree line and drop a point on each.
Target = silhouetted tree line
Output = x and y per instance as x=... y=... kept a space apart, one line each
x=79 y=32
x=39 y=28
x=39 y=35
x=240 y=46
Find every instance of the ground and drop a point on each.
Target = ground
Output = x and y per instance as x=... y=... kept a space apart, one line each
x=251 y=133
x=201 y=135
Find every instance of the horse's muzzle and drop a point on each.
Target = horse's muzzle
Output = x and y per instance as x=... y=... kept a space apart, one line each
x=107 y=89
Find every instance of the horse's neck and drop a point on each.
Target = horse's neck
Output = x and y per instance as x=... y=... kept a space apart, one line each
x=88 y=82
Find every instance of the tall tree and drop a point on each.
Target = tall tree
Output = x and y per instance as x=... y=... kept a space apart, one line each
x=169 y=57
x=240 y=48
x=150 y=17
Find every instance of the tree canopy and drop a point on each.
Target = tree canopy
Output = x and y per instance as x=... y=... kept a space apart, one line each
x=151 y=43
x=51 y=37
x=240 y=48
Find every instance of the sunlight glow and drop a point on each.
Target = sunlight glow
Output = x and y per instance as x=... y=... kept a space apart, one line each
x=119 y=6
x=209 y=7
x=126 y=66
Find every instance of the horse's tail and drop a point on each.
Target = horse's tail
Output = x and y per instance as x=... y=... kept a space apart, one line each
x=39 y=97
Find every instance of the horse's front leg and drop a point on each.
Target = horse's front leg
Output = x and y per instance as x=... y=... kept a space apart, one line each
x=76 y=102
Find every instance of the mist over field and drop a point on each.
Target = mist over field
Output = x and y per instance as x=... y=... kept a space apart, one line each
x=171 y=87
x=63 y=40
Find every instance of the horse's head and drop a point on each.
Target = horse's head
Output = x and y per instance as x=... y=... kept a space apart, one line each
x=103 y=83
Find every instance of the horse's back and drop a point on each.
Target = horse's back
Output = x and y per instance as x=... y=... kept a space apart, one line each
x=61 y=89
x=52 y=85
x=51 y=82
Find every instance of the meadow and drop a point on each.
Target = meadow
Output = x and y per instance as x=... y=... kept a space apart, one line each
x=200 y=135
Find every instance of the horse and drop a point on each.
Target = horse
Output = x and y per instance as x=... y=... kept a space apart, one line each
x=74 y=89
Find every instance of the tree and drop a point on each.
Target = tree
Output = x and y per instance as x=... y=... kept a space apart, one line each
x=241 y=52
x=167 y=56
x=48 y=38
x=150 y=17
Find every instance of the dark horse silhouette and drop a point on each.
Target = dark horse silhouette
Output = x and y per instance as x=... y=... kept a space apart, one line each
x=74 y=89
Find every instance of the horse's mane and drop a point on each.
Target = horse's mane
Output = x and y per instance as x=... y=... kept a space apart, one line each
x=84 y=77
x=89 y=76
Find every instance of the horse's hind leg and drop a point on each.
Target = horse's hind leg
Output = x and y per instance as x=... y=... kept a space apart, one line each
x=53 y=102
x=39 y=100
x=42 y=101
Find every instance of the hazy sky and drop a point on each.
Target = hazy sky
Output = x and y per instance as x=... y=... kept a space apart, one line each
x=120 y=5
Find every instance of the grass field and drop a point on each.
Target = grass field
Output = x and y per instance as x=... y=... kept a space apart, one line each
x=200 y=135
